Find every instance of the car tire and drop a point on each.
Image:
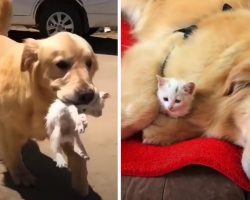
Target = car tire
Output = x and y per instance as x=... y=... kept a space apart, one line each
x=61 y=17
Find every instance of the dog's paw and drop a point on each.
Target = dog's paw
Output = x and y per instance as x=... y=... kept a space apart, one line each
x=154 y=138
x=151 y=141
x=23 y=177
x=60 y=161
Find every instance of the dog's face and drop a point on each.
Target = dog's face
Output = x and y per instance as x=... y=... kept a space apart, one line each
x=64 y=63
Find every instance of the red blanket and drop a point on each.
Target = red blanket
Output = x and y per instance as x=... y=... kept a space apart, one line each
x=146 y=160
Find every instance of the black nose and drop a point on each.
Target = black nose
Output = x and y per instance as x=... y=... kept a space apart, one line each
x=86 y=97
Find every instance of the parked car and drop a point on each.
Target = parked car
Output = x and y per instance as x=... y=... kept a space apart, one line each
x=76 y=16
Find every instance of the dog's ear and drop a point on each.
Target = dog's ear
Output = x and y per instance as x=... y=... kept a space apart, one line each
x=226 y=7
x=187 y=31
x=30 y=54
x=236 y=86
x=238 y=78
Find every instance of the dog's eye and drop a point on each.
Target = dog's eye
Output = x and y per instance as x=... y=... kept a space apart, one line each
x=165 y=99
x=63 y=65
x=89 y=63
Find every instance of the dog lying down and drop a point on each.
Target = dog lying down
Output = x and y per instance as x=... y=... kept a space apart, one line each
x=65 y=122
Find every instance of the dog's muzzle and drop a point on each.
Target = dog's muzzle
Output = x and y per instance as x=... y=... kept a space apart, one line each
x=86 y=97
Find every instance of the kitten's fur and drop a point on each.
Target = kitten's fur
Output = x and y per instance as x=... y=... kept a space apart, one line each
x=64 y=124
x=175 y=96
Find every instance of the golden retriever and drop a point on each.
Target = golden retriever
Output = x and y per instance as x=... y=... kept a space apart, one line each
x=32 y=75
x=216 y=58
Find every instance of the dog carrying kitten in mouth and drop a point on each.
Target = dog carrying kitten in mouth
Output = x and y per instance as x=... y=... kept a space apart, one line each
x=175 y=96
x=65 y=122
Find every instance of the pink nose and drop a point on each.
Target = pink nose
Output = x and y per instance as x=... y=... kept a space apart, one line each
x=170 y=108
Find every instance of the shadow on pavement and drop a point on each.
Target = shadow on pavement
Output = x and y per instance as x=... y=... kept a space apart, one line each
x=100 y=45
x=52 y=183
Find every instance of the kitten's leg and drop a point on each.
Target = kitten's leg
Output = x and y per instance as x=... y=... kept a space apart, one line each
x=78 y=119
x=78 y=169
x=165 y=131
x=84 y=120
x=55 y=143
x=81 y=147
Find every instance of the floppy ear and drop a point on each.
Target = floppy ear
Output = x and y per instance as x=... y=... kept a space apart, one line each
x=226 y=7
x=238 y=78
x=161 y=80
x=30 y=54
x=189 y=87
x=187 y=30
x=236 y=86
x=104 y=95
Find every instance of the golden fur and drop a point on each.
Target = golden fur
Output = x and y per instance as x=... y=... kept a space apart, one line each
x=31 y=79
x=143 y=61
x=217 y=60
x=153 y=17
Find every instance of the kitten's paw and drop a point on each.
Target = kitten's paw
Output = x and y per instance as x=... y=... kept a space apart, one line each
x=60 y=161
x=84 y=120
x=84 y=156
x=79 y=127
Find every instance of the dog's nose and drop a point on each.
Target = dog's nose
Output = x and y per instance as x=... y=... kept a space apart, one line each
x=86 y=97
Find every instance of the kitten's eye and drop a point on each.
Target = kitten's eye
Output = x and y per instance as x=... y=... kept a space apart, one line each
x=63 y=65
x=89 y=64
x=165 y=99
x=177 y=101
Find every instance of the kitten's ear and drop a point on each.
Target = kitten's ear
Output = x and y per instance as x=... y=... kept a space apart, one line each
x=161 y=80
x=104 y=95
x=189 y=87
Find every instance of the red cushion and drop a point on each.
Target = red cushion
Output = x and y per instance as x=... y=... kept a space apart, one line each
x=147 y=161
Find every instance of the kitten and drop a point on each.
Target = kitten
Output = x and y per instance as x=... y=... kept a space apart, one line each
x=175 y=96
x=64 y=124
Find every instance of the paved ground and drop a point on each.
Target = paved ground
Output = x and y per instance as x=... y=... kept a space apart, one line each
x=100 y=141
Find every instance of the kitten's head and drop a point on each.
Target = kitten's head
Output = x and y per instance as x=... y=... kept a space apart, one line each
x=175 y=95
x=95 y=107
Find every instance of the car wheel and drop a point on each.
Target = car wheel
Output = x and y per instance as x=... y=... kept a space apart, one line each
x=62 y=17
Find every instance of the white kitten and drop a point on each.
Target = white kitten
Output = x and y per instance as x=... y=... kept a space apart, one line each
x=175 y=96
x=64 y=124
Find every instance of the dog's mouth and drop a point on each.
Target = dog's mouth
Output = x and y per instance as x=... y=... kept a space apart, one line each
x=78 y=100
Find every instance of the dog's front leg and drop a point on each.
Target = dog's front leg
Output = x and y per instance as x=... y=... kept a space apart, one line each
x=165 y=131
x=78 y=168
x=12 y=145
